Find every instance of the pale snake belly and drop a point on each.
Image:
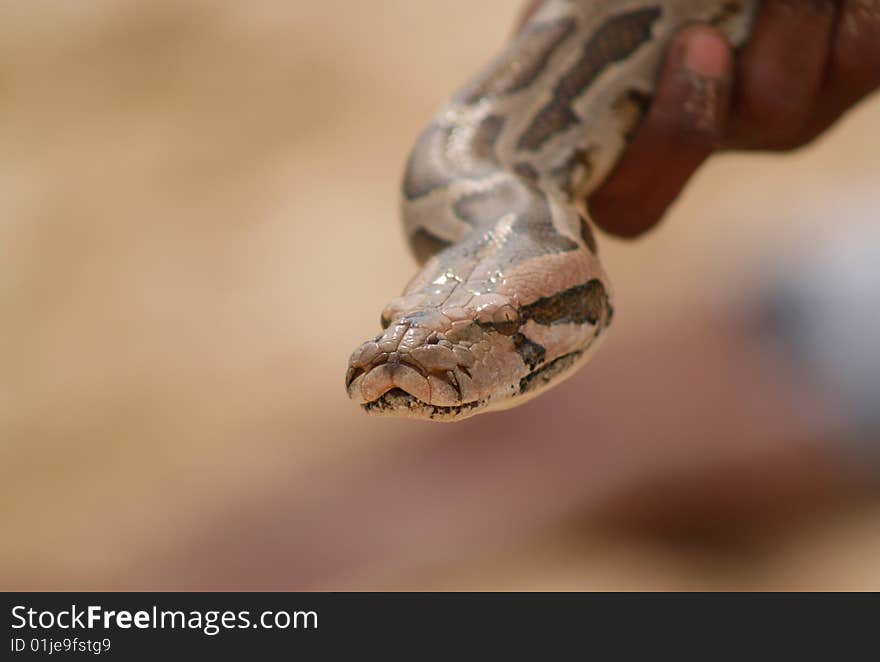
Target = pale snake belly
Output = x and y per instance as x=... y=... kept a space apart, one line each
x=512 y=297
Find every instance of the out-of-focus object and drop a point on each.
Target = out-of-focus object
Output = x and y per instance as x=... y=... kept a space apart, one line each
x=824 y=307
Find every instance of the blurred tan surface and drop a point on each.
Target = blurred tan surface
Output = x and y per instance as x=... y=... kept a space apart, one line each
x=199 y=206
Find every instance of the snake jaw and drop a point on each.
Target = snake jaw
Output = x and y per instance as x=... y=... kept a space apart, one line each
x=397 y=402
x=434 y=375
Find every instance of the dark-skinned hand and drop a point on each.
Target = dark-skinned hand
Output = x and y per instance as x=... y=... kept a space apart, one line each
x=807 y=62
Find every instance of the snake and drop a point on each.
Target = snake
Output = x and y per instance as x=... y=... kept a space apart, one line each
x=511 y=297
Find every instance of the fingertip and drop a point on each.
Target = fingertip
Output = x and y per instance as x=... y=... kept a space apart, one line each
x=706 y=52
x=621 y=216
x=683 y=128
x=694 y=90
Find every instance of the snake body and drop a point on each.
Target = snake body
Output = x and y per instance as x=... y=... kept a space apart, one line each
x=512 y=297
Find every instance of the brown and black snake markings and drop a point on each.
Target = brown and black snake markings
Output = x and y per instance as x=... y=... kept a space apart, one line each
x=533 y=231
x=545 y=375
x=512 y=296
x=588 y=237
x=582 y=304
x=531 y=352
x=616 y=40
x=522 y=63
x=445 y=162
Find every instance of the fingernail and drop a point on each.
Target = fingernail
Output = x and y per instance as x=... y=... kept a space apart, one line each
x=707 y=55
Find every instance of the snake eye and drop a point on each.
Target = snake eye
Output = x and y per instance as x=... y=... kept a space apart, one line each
x=385 y=319
x=506 y=320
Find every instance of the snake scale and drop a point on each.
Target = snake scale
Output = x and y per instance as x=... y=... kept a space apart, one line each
x=511 y=296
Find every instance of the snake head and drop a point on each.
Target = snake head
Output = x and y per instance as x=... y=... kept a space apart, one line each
x=449 y=363
x=434 y=363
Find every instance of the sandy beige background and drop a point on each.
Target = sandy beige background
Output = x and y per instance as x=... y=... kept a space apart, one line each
x=198 y=204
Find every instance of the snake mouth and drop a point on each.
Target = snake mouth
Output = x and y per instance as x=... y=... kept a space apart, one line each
x=428 y=379
x=392 y=399
x=397 y=401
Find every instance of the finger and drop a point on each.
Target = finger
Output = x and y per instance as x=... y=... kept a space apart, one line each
x=856 y=50
x=780 y=73
x=854 y=66
x=681 y=130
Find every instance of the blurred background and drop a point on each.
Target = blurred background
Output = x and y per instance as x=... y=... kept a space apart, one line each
x=199 y=223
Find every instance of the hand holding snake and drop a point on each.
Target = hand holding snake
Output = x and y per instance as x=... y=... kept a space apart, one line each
x=804 y=66
x=512 y=296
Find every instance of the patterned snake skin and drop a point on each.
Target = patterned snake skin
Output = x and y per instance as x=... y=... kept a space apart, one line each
x=512 y=297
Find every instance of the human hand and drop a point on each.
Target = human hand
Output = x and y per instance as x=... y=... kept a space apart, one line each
x=806 y=63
